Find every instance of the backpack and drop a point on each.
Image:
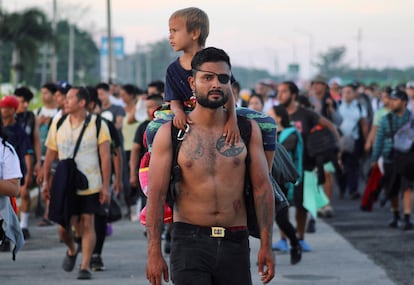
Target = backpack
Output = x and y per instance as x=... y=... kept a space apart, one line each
x=297 y=155
x=404 y=137
x=403 y=147
x=296 y=159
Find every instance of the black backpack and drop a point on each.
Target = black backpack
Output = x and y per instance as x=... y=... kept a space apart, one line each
x=245 y=128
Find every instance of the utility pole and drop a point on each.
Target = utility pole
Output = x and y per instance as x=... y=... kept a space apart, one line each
x=359 y=42
x=110 y=54
x=71 y=58
x=53 y=58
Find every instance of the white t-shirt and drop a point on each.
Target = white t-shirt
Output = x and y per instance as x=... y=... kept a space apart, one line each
x=9 y=162
x=46 y=112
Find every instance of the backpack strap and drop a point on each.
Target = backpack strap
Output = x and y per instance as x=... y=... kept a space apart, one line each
x=177 y=137
x=389 y=117
x=60 y=122
x=245 y=127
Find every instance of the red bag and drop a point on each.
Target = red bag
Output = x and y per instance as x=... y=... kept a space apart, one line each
x=371 y=189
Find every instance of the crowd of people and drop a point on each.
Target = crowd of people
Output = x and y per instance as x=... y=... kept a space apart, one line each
x=112 y=126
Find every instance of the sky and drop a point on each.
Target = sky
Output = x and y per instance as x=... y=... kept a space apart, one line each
x=266 y=34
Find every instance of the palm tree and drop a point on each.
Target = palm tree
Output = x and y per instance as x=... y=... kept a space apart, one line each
x=25 y=31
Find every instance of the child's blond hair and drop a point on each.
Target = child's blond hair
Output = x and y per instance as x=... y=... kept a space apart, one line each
x=195 y=18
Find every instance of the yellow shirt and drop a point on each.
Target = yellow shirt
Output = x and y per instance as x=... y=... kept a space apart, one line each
x=128 y=133
x=87 y=158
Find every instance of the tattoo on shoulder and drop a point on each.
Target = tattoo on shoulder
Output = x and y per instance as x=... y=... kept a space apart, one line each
x=228 y=150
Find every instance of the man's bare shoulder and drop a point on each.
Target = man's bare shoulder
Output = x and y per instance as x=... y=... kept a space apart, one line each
x=163 y=135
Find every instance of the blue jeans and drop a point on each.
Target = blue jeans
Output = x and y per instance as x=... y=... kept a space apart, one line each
x=199 y=259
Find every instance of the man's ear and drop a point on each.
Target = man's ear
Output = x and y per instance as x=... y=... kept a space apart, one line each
x=191 y=81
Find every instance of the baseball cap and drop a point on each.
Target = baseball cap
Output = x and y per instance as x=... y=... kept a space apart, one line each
x=398 y=94
x=63 y=87
x=319 y=79
x=410 y=85
x=9 y=101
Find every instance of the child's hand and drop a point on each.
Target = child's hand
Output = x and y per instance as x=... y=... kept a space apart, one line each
x=231 y=132
x=180 y=120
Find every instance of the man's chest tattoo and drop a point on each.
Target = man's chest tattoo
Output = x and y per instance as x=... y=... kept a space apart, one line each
x=228 y=150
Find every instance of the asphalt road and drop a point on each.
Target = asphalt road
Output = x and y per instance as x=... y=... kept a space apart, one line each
x=368 y=232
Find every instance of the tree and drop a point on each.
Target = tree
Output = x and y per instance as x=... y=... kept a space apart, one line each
x=25 y=31
x=86 y=54
x=331 y=61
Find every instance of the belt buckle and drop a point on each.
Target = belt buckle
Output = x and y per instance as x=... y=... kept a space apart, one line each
x=217 y=232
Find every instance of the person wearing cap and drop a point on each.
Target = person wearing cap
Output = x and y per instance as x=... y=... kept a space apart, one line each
x=28 y=121
x=62 y=89
x=383 y=147
x=409 y=88
x=21 y=142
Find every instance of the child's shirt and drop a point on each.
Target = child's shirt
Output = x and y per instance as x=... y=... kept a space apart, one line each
x=176 y=83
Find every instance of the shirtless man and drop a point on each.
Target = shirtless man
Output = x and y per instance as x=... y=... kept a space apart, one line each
x=209 y=198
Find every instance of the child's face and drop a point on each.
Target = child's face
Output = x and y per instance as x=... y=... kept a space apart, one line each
x=180 y=38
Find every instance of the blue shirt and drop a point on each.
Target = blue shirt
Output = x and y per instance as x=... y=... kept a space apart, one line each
x=176 y=82
x=351 y=114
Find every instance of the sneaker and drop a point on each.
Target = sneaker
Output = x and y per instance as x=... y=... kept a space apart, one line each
x=295 y=254
x=328 y=211
x=305 y=246
x=96 y=263
x=26 y=233
x=355 y=196
x=84 y=274
x=394 y=223
x=321 y=213
x=311 y=227
x=407 y=226
x=69 y=262
x=281 y=245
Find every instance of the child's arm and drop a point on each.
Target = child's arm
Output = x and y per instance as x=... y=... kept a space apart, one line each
x=180 y=117
x=231 y=129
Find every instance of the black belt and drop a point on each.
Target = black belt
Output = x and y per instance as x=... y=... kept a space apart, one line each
x=237 y=233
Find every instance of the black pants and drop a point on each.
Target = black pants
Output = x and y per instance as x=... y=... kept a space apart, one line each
x=199 y=259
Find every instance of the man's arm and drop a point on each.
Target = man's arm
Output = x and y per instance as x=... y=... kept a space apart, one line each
x=50 y=156
x=118 y=122
x=37 y=148
x=264 y=203
x=158 y=184
x=9 y=187
x=117 y=160
x=105 y=157
x=133 y=163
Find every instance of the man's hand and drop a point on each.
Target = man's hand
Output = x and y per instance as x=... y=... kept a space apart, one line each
x=231 y=132
x=104 y=197
x=46 y=191
x=266 y=264
x=156 y=269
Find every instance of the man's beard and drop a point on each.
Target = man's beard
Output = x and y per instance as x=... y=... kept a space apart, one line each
x=205 y=102
x=287 y=103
